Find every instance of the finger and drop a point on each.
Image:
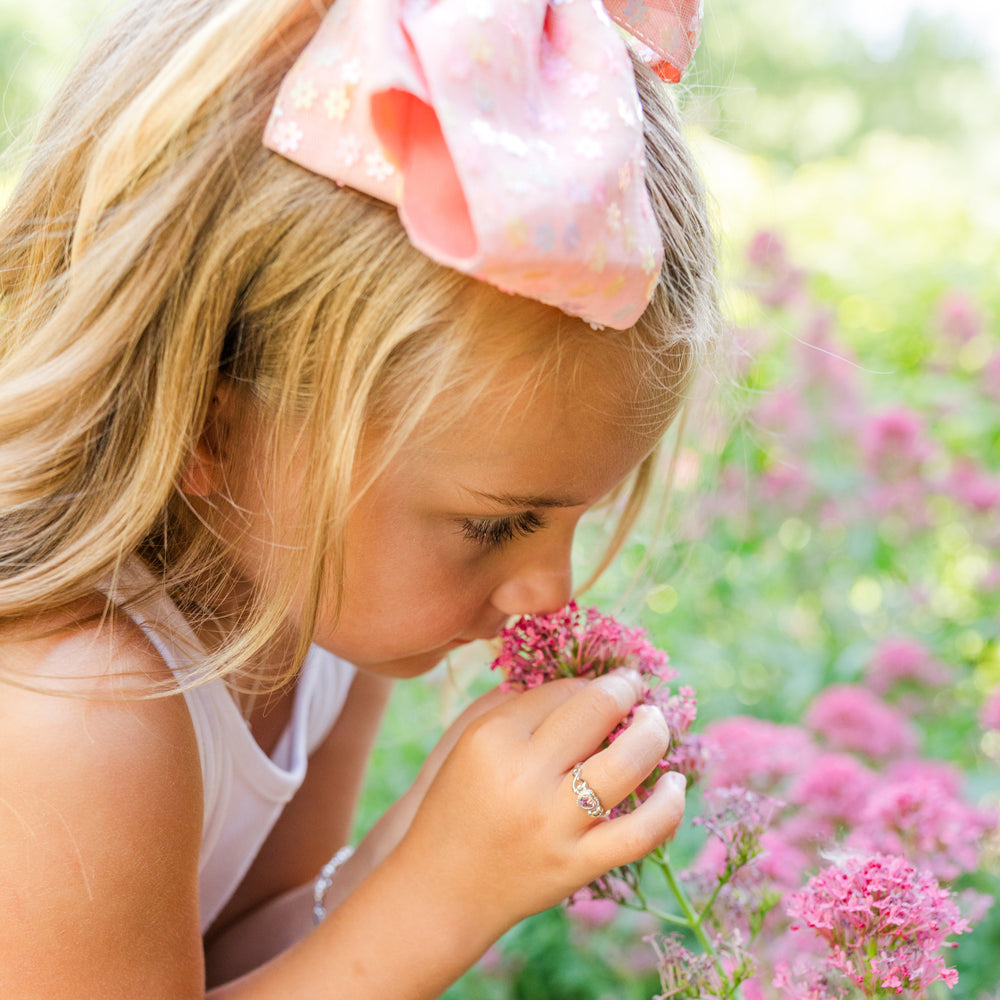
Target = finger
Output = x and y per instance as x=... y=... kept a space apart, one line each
x=575 y=729
x=616 y=771
x=532 y=707
x=483 y=704
x=632 y=836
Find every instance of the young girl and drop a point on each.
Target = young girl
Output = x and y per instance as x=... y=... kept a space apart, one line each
x=282 y=422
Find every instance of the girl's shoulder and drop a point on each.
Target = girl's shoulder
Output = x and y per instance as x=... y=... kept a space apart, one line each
x=101 y=799
x=88 y=648
x=88 y=664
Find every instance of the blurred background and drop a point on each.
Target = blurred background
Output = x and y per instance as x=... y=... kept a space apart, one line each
x=841 y=492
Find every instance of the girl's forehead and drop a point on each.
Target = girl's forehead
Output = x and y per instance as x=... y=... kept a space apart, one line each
x=544 y=432
x=597 y=385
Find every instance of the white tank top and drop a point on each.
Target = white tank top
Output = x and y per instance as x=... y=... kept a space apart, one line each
x=245 y=790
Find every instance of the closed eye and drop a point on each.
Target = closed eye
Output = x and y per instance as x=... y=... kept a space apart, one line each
x=495 y=532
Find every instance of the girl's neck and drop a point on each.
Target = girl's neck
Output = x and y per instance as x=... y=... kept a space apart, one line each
x=262 y=700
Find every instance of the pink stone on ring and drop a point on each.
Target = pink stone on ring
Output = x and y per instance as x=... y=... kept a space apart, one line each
x=586 y=797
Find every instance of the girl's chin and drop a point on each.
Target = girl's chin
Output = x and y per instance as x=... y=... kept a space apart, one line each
x=399 y=667
x=409 y=666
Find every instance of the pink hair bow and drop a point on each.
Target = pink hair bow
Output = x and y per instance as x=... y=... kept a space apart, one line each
x=507 y=132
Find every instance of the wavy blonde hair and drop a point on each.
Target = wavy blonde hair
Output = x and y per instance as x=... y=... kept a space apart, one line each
x=154 y=243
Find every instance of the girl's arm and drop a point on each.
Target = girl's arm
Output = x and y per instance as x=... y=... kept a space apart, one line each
x=100 y=825
x=315 y=824
x=498 y=836
x=273 y=907
x=100 y=819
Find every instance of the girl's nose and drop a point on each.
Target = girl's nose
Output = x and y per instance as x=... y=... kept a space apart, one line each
x=535 y=589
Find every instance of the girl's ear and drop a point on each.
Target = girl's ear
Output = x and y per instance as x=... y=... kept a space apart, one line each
x=203 y=473
x=200 y=474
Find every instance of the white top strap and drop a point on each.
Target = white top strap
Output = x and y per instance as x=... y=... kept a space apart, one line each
x=245 y=790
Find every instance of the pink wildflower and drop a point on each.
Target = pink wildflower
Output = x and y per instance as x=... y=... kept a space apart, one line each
x=737 y=818
x=684 y=973
x=777 y=282
x=592 y=911
x=958 y=317
x=989 y=717
x=893 y=443
x=681 y=709
x=690 y=753
x=948 y=777
x=973 y=905
x=829 y=374
x=574 y=643
x=753 y=990
x=883 y=923
x=895 y=449
x=831 y=792
x=755 y=753
x=742 y=897
x=851 y=718
x=787 y=484
x=766 y=251
x=919 y=818
x=902 y=659
x=973 y=487
x=803 y=979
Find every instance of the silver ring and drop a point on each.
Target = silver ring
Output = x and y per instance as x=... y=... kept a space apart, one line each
x=586 y=797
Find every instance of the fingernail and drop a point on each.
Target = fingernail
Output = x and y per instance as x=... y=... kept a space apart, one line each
x=630 y=675
x=650 y=715
x=646 y=709
x=677 y=781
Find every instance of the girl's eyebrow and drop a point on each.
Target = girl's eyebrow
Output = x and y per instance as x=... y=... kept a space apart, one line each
x=527 y=500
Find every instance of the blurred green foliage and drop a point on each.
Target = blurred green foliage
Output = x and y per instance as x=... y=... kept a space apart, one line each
x=794 y=82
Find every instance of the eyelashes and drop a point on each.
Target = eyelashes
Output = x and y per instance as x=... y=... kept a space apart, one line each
x=495 y=532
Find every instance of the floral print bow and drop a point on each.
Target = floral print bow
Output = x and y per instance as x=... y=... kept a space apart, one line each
x=507 y=132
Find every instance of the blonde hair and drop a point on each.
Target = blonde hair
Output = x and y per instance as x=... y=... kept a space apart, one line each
x=154 y=243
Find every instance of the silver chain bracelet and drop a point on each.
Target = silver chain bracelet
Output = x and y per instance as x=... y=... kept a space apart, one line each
x=324 y=880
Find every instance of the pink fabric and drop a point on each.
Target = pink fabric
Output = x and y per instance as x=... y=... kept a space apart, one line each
x=508 y=134
x=669 y=29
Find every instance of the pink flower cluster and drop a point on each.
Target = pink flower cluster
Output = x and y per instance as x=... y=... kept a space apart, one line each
x=826 y=452
x=920 y=817
x=737 y=818
x=882 y=921
x=816 y=791
x=573 y=642
x=776 y=749
x=684 y=973
x=852 y=718
x=989 y=717
x=899 y=659
x=909 y=806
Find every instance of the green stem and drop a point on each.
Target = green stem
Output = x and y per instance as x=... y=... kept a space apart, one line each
x=669 y=918
x=707 y=908
x=692 y=919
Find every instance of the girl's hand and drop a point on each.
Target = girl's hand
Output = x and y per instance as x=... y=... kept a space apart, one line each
x=499 y=827
x=495 y=836
x=390 y=828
